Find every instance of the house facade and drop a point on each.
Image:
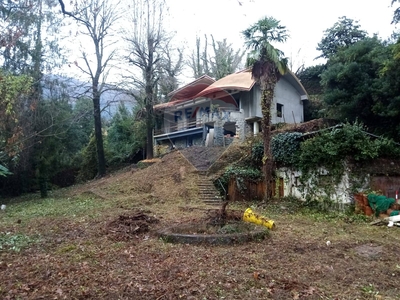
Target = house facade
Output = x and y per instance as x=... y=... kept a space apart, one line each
x=214 y=113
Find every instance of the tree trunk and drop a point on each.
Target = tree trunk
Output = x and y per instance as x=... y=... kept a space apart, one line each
x=149 y=89
x=267 y=95
x=43 y=177
x=43 y=186
x=101 y=161
x=149 y=129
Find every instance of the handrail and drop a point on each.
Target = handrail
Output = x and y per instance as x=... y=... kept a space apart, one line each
x=184 y=125
x=226 y=194
x=175 y=128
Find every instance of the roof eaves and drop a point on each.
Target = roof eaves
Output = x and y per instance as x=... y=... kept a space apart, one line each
x=299 y=84
x=191 y=83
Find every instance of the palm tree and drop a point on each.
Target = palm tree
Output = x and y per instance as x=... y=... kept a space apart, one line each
x=268 y=64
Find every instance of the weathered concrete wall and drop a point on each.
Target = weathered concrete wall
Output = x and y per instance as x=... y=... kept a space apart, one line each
x=248 y=130
x=341 y=195
x=219 y=118
x=246 y=99
x=285 y=94
x=240 y=126
x=218 y=135
x=165 y=146
x=181 y=143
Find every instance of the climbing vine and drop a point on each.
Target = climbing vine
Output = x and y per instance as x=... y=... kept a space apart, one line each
x=323 y=158
x=257 y=154
x=285 y=147
x=240 y=174
x=330 y=147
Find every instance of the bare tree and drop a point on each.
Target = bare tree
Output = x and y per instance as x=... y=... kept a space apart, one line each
x=198 y=60
x=169 y=69
x=223 y=61
x=150 y=55
x=194 y=61
x=97 y=17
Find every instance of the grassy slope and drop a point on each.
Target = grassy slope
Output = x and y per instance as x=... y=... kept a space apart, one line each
x=63 y=248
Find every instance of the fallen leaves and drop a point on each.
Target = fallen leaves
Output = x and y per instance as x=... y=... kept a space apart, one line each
x=90 y=257
x=127 y=226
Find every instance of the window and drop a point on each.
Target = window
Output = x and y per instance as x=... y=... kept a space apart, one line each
x=279 y=110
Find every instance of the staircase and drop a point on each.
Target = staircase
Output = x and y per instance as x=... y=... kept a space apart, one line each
x=207 y=191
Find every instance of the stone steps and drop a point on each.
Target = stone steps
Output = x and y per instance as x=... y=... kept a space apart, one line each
x=207 y=191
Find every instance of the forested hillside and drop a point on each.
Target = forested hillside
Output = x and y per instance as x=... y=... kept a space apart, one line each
x=55 y=133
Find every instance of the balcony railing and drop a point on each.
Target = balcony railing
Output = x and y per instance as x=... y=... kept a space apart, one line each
x=206 y=118
x=179 y=127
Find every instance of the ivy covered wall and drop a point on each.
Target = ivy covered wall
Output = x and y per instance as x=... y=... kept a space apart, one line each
x=322 y=167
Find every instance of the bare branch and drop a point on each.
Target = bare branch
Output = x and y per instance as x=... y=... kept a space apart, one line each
x=70 y=14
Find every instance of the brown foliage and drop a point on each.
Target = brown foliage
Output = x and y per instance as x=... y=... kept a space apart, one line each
x=126 y=227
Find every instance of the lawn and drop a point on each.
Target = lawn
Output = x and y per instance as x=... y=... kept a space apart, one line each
x=69 y=247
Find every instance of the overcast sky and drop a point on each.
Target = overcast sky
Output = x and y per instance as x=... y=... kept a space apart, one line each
x=306 y=20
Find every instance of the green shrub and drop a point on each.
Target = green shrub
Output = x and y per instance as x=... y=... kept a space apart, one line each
x=330 y=148
x=125 y=136
x=257 y=153
x=285 y=147
x=89 y=167
x=240 y=174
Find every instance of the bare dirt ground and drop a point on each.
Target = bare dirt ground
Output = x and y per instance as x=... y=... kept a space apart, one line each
x=99 y=241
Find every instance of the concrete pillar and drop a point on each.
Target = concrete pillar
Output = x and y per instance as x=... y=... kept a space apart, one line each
x=256 y=128
x=218 y=135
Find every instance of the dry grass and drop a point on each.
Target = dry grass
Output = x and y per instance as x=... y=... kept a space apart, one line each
x=65 y=247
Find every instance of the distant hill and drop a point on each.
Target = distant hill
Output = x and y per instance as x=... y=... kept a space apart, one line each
x=55 y=86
